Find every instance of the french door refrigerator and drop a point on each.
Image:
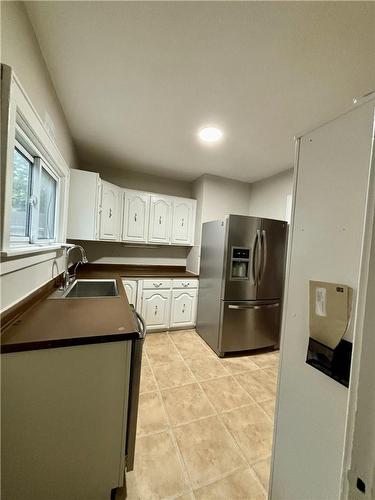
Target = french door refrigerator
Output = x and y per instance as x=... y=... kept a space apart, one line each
x=241 y=283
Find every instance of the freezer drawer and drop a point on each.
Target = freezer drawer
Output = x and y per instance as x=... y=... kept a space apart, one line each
x=249 y=325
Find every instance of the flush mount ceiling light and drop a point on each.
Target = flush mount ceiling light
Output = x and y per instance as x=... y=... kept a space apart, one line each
x=210 y=134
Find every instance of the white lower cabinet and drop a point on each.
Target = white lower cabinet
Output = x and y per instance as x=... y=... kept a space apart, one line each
x=183 y=308
x=131 y=289
x=165 y=304
x=155 y=309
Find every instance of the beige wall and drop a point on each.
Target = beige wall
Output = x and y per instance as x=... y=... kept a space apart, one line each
x=21 y=51
x=216 y=197
x=144 y=182
x=268 y=197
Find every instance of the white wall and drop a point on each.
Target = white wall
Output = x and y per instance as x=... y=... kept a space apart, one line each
x=216 y=197
x=21 y=51
x=325 y=244
x=268 y=197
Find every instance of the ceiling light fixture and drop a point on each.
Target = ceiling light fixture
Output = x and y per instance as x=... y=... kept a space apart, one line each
x=210 y=134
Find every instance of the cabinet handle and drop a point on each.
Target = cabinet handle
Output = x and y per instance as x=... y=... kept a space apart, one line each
x=157 y=285
x=110 y=212
x=183 y=308
x=186 y=284
x=156 y=310
x=135 y=217
x=182 y=222
x=160 y=220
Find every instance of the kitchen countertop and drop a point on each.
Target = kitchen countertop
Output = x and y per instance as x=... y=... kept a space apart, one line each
x=50 y=323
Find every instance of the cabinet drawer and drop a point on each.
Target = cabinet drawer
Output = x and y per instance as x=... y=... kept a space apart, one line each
x=186 y=283
x=156 y=284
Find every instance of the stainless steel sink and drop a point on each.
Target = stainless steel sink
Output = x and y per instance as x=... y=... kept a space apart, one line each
x=88 y=289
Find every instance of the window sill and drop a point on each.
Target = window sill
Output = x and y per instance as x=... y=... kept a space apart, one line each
x=30 y=249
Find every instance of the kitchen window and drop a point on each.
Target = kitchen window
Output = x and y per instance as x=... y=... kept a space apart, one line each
x=35 y=177
x=34 y=199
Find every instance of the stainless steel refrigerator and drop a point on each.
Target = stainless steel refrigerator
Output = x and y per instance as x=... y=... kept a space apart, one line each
x=241 y=283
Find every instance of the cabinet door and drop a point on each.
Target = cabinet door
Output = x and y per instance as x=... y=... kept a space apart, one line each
x=109 y=212
x=136 y=216
x=184 y=305
x=84 y=199
x=160 y=220
x=131 y=287
x=183 y=221
x=155 y=309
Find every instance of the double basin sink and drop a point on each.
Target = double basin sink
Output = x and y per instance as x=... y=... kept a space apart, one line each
x=82 y=288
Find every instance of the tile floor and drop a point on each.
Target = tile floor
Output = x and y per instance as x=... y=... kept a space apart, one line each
x=205 y=424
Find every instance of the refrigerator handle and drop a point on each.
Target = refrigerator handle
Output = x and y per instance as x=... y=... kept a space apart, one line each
x=255 y=245
x=264 y=252
x=259 y=255
x=263 y=306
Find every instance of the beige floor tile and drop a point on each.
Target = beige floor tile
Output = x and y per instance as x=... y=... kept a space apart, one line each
x=186 y=496
x=266 y=360
x=151 y=415
x=269 y=407
x=193 y=349
x=265 y=380
x=173 y=374
x=225 y=393
x=254 y=387
x=147 y=380
x=262 y=470
x=157 y=471
x=241 y=485
x=160 y=354
x=238 y=364
x=157 y=338
x=145 y=359
x=186 y=403
x=183 y=335
x=205 y=368
x=252 y=430
x=207 y=449
x=272 y=372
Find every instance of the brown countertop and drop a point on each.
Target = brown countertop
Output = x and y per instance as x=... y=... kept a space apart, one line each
x=47 y=323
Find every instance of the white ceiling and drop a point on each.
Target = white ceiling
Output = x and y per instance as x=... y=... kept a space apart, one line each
x=137 y=79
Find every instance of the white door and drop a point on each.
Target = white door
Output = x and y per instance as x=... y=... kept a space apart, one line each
x=131 y=287
x=109 y=212
x=183 y=308
x=160 y=220
x=136 y=216
x=183 y=221
x=155 y=308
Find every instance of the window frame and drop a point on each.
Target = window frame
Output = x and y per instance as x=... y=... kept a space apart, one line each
x=23 y=128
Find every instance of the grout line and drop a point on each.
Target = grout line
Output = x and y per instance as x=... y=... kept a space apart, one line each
x=246 y=465
x=173 y=437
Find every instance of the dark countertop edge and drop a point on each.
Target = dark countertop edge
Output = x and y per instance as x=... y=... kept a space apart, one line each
x=68 y=342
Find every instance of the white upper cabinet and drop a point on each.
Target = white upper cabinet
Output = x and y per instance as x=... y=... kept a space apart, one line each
x=136 y=216
x=183 y=221
x=99 y=210
x=84 y=197
x=160 y=220
x=109 y=212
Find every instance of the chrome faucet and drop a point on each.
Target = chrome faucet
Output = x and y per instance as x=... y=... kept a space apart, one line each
x=67 y=277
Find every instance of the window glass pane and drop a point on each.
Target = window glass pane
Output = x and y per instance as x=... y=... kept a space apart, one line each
x=47 y=205
x=19 y=225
